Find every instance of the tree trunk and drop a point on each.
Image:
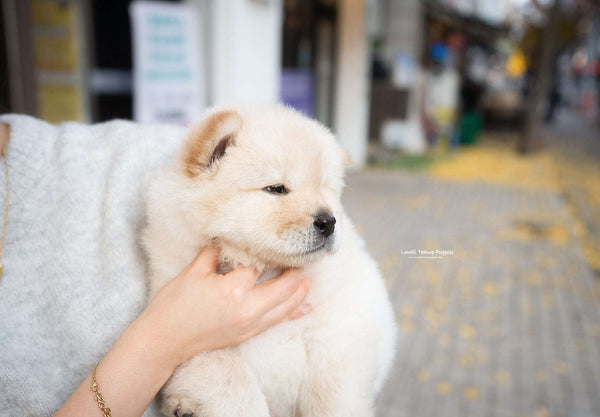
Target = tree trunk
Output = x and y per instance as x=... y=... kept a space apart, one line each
x=530 y=139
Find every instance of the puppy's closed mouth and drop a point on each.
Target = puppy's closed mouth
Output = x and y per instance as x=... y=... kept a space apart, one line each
x=315 y=249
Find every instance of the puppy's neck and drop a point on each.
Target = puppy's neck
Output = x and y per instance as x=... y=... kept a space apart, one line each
x=266 y=274
x=232 y=259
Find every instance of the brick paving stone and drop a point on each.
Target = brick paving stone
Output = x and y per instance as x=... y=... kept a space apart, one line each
x=509 y=326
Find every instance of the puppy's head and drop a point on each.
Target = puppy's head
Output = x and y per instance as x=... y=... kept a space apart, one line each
x=266 y=182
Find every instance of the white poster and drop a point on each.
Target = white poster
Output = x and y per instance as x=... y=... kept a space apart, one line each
x=169 y=70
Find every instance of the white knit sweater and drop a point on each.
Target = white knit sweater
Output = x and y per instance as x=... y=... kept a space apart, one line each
x=74 y=271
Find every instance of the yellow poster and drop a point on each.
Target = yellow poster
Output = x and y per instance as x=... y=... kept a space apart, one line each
x=58 y=63
x=59 y=103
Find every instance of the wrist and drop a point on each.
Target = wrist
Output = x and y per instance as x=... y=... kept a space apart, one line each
x=154 y=346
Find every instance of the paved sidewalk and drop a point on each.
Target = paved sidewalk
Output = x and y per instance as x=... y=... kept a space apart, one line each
x=574 y=143
x=507 y=326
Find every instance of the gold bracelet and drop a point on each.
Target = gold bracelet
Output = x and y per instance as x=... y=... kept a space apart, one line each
x=101 y=404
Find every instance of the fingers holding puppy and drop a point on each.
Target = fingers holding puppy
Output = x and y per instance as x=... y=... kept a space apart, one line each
x=286 y=291
x=278 y=300
x=293 y=307
x=206 y=262
x=274 y=300
x=201 y=310
x=273 y=293
x=244 y=279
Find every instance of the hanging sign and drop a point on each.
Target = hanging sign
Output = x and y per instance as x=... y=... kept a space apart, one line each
x=169 y=75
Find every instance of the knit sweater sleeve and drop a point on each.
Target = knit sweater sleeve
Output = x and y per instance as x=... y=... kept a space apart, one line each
x=74 y=274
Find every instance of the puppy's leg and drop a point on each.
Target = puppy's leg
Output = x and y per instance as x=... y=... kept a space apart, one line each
x=337 y=386
x=213 y=384
x=325 y=396
x=342 y=375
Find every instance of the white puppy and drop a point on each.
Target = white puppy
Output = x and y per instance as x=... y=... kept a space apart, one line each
x=264 y=183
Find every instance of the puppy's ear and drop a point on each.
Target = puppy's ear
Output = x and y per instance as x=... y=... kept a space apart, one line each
x=208 y=141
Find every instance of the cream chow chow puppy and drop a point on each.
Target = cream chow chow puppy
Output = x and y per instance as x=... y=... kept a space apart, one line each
x=264 y=184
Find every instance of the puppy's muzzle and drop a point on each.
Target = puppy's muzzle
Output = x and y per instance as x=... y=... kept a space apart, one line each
x=325 y=224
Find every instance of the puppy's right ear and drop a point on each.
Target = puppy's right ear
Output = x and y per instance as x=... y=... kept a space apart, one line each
x=208 y=141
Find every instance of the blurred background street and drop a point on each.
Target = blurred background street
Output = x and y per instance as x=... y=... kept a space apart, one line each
x=509 y=325
x=474 y=131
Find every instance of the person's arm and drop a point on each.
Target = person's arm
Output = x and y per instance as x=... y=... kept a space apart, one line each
x=197 y=311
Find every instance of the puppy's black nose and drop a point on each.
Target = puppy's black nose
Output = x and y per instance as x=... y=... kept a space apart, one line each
x=325 y=224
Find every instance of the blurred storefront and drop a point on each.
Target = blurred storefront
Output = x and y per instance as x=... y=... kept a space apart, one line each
x=94 y=60
x=410 y=75
x=476 y=37
x=88 y=47
x=431 y=66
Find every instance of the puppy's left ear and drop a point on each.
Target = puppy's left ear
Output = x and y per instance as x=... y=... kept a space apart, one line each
x=208 y=141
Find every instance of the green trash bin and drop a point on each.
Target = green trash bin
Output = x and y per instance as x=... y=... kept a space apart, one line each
x=470 y=126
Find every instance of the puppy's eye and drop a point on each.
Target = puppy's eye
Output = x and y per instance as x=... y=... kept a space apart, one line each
x=276 y=189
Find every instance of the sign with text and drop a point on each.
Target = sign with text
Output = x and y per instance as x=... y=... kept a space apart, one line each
x=169 y=71
x=58 y=60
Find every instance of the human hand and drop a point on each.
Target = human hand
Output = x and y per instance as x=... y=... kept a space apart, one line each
x=196 y=311
x=201 y=310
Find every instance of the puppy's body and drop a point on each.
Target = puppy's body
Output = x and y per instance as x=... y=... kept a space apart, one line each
x=328 y=363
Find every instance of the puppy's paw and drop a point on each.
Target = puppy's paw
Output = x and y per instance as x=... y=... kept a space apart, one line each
x=181 y=406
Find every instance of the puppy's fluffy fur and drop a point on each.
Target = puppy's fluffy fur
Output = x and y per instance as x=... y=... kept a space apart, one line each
x=329 y=363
